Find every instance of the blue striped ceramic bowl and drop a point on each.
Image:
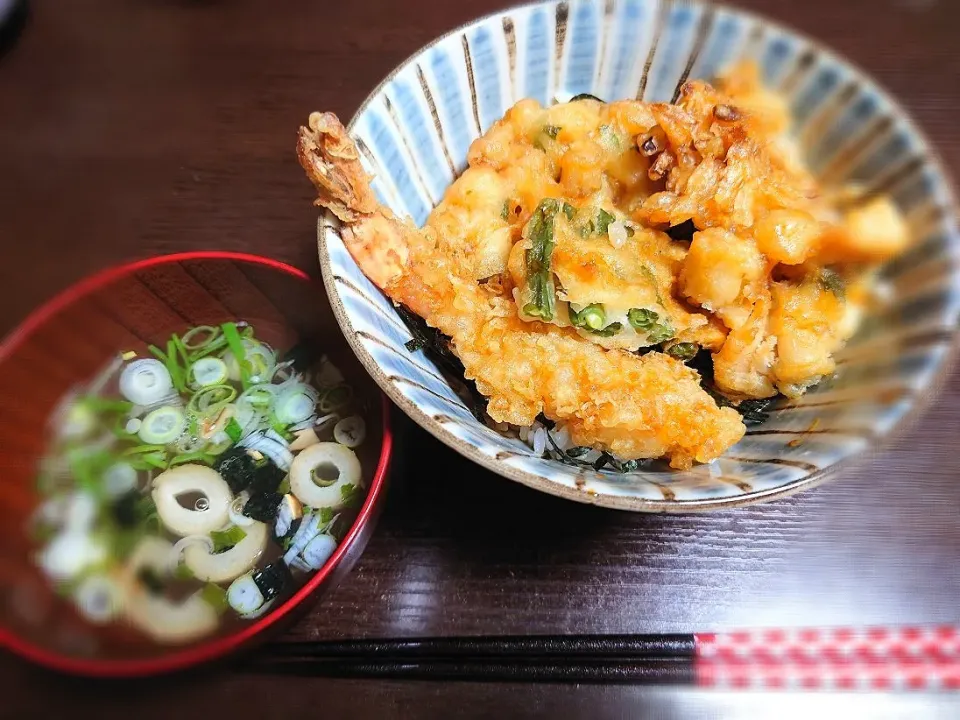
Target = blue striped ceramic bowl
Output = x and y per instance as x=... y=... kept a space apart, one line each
x=416 y=127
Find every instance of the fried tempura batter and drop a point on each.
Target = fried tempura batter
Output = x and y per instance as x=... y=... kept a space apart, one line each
x=588 y=246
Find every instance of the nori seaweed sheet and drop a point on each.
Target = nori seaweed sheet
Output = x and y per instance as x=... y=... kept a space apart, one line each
x=436 y=346
x=754 y=412
x=272 y=578
x=242 y=472
x=263 y=506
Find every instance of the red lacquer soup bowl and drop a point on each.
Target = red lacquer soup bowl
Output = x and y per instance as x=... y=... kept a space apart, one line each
x=68 y=341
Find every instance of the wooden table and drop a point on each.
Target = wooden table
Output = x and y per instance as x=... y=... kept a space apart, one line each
x=135 y=127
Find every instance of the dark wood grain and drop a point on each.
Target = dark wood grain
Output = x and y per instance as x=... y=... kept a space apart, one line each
x=133 y=127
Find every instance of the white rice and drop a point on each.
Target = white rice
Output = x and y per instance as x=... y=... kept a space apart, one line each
x=561 y=437
x=538 y=438
x=539 y=441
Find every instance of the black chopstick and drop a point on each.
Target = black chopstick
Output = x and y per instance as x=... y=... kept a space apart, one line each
x=876 y=658
x=643 y=672
x=562 y=647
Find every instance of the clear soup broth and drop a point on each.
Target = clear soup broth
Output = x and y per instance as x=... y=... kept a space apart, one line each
x=192 y=484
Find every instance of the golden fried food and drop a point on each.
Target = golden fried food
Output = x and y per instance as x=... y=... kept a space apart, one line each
x=590 y=248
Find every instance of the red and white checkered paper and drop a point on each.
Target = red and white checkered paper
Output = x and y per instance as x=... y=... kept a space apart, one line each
x=840 y=658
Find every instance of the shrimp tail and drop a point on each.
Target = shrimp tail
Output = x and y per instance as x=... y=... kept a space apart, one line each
x=375 y=238
x=332 y=162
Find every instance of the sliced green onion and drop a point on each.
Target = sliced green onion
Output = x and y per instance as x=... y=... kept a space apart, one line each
x=142 y=450
x=239 y=352
x=647 y=321
x=212 y=334
x=209 y=371
x=162 y=426
x=226 y=539
x=146 y=381
x=593 y=317
x=212 y=349
x=161 y=356
x=192 y=457
x=642 y=319
x=173 y=365
x=212 y=399
x=248 y=417
x=660 y=332
x=216 y=597
x=295 y=404
x=281 y=429
x=100 y=404
x=233 y=430
x=259 y=363
x=181 y=348
x=148 y=461
x=608 y=331
x=260 y=397
x=260 y=368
